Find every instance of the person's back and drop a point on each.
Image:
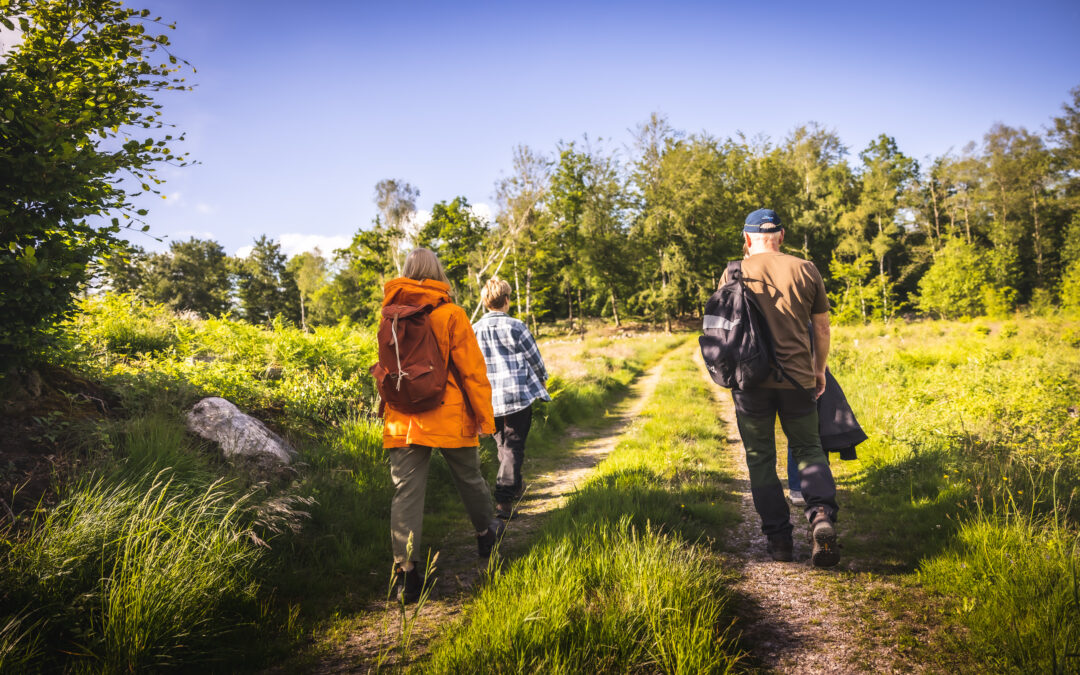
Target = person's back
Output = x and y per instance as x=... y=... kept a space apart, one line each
x=452 y=424
x=792 y=298
x=515 y=369
x=789 y=291
x=517 y=375
x=452 y=427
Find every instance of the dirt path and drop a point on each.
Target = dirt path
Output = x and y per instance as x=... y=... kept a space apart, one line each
x=796 y=618
x=377 y=634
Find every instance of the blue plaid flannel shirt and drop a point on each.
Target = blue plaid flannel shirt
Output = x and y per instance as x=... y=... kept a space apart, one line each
x=514 y=365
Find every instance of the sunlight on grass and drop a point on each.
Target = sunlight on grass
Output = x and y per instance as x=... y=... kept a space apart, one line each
x=623 y=577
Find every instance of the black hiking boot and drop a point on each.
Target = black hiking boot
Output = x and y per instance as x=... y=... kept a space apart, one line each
x=409 y=585
x=505 y=512
x=485 y=543
x=780 y=547
x=826 y=550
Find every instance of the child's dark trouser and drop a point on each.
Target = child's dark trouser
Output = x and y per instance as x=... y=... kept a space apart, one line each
x=510 y=433
x=756 y=411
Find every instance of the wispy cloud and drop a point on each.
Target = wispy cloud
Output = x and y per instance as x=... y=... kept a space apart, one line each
x=198 y=234
x=204 y=209
x=293 y=243
x=483 y=211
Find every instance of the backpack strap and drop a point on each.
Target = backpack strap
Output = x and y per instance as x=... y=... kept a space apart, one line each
x=734 y=270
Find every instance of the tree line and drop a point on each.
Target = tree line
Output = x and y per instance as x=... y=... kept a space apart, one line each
x=592 y=229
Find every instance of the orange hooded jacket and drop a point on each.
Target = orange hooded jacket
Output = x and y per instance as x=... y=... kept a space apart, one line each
x=449 y=425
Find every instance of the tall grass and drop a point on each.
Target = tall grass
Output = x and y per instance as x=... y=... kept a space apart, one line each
x=604 y=598
x=623 y=578
x=971 y=476
x=1017 y=578
x=130 y=577
x=140 y=566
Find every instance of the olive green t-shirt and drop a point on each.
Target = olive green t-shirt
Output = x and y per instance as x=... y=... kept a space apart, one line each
x=789 y=290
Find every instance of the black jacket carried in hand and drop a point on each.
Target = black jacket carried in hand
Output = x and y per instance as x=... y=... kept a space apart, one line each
x=840 y=431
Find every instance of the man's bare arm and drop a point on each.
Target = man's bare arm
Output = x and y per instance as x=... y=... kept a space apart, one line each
x=822 y=336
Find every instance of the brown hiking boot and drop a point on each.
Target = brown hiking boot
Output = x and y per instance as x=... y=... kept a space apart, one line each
x=780 y=547
x=826 y=550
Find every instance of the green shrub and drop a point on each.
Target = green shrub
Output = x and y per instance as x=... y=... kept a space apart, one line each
x=1070 y=289
x=156 y=359
x=952 y=287
x=1041 y=303
x=998 y=302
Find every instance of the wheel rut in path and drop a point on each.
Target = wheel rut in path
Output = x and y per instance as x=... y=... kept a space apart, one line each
x=376 y=634
x=794 y=617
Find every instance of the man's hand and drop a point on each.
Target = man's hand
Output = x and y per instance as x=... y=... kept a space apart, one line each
x=819 y=384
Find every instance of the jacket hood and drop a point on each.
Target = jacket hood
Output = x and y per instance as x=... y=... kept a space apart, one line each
x=406 y=291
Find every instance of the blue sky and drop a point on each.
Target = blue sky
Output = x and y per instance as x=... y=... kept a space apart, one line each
x=300 y=108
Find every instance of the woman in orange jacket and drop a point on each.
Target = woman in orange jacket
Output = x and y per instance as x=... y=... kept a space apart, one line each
x=453 y=427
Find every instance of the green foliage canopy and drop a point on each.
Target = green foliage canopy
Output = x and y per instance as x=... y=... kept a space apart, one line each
x=79 y=128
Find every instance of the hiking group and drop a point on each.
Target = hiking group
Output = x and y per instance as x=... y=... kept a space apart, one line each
x=444 y=382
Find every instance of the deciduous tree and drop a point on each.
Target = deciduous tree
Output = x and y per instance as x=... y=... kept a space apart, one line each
x=79 y=125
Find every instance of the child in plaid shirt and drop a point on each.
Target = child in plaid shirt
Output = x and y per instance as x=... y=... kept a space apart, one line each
x=517 y=375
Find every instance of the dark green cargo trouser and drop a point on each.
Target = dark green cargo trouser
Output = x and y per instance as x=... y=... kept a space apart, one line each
x=756 y=411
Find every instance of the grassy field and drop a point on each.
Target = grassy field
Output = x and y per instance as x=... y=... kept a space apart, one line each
x=148 y=551
x=970 y=482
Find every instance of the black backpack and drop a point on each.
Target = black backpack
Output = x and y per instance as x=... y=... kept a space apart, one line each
x=737 y=346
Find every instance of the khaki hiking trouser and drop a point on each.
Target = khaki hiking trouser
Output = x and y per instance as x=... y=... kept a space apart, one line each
x=409 y=471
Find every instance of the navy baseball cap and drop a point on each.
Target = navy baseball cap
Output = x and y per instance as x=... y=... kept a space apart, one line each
x=764 y=221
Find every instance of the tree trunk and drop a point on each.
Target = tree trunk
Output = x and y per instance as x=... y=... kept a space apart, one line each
x=303 y=318
x=967 y=220
x=615 y=307
x=663 y=292
x=517 y=289
x=1038 y=237
x=528 y=296
x=570 y=309
x=937 y=219
x=581 y=314
x=884 y=290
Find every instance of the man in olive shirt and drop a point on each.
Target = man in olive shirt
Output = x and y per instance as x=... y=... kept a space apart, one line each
x=792 y=298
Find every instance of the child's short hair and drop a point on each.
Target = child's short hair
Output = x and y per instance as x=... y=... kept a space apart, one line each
x=495 y=293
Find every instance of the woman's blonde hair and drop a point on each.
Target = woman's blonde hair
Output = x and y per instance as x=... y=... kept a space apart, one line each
x=422 y=264
x=495 y=293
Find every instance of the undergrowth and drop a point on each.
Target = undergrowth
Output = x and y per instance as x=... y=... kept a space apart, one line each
x=138 y=567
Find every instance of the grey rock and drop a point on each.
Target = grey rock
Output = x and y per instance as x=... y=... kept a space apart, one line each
x=239 y=435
